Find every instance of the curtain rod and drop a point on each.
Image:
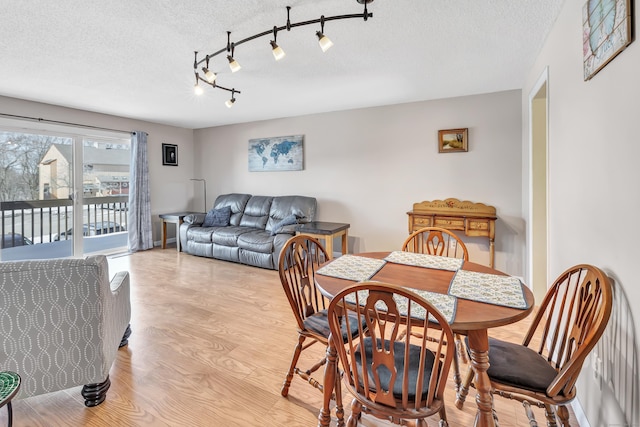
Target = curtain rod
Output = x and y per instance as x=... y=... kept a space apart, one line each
x=39 y=119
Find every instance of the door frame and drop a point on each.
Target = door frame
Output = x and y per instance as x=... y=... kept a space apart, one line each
x=541 y=83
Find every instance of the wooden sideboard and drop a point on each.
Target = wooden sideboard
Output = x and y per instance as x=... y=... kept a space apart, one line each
x=475 y=219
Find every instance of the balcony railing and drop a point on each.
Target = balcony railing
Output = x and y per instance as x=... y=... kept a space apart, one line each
x=43 y=221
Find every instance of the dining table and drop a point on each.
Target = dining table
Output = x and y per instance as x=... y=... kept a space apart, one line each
x=474 y=298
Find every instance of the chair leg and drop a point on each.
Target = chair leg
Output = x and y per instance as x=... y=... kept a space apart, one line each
x=456 y=373
x=563 y=414
x=125 y=337
x=356 y=410
x=530 y=415
x=94 y=394
x=550 y=414
x=461 y=396
x=338 y=396
x=460 y=350
x=294 y=361
x=443 y=417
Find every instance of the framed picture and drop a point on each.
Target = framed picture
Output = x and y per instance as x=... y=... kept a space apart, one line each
x=452 y=140
x=606 y=31
x=280 y=153
x=169 y=155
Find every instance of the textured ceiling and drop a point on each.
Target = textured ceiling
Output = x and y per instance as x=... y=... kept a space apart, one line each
x=134 y=58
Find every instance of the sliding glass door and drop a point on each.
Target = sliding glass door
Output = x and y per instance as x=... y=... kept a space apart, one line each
x=62 y=195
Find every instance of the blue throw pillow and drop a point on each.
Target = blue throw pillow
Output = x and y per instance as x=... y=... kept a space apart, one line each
x=217 y=217
x=287 y=220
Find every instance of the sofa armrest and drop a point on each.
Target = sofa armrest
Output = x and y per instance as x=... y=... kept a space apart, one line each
x=195 y=219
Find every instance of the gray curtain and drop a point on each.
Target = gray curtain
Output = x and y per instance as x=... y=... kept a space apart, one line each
x=140 y=237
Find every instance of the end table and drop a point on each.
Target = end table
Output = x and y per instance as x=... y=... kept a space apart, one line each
x=172 y=218
x=326 y=231
x=9 y=386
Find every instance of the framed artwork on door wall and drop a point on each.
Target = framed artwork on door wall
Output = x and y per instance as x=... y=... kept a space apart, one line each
x=606 y=31
x=169 y=155
x=453 y=140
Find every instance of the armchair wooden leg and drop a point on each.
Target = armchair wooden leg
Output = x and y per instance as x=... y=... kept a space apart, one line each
x=125 y=337
x=94 y=394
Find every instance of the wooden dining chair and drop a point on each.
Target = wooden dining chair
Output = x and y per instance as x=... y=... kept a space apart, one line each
x=441 y=242
x=543 y=370
x=300 y=258
x=392 y=376
x=436 y=241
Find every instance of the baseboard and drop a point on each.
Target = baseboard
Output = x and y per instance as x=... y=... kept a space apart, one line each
x=579 y=413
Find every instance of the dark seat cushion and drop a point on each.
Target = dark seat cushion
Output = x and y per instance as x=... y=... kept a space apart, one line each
x=319 y=323
x=519 y=366
x=385 y=375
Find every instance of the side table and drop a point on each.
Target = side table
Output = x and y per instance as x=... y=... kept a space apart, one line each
x=326 y=231
x=9 y=386
x=172 y=218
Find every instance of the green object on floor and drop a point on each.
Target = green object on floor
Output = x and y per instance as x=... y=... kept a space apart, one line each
x=9 y=386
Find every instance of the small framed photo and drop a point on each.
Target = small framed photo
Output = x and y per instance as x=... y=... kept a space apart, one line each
x=169 y=155
x=452 y=140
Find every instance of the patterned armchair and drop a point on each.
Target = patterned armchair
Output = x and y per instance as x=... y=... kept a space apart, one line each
x=61 y=324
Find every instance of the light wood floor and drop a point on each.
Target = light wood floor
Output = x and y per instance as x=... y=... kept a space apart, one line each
x=211 y=344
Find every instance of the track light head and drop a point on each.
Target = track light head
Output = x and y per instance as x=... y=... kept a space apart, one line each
x=229 y=102
x=233 y=64
x=277 y=51
x=209 y=75
x=323 y=41
x=197 y=88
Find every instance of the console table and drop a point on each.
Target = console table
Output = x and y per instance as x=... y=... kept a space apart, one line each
x=326 y=231
x=475 y=219
x=172 y=218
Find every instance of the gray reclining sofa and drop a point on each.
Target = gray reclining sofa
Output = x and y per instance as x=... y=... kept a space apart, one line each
x=255 y=231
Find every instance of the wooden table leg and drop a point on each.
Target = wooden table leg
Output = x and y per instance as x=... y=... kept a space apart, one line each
x=479 y=349
x=164 y=234
x=328 y=245
x=345 y=241
x=330 y=370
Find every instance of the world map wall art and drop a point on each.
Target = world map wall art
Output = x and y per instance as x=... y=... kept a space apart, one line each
x=606 y=31
x=280 y=153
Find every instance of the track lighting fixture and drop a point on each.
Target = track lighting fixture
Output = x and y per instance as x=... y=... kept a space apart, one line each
x=278 y=53
x=229 y=103
x=231 y=47
x=323 y=40
x=208 y=74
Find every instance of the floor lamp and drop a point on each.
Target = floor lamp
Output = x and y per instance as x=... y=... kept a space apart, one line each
x=204 y=181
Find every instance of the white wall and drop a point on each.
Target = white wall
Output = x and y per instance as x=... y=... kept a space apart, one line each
x=171 y=190
x=594 y=199
x=367 y=167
